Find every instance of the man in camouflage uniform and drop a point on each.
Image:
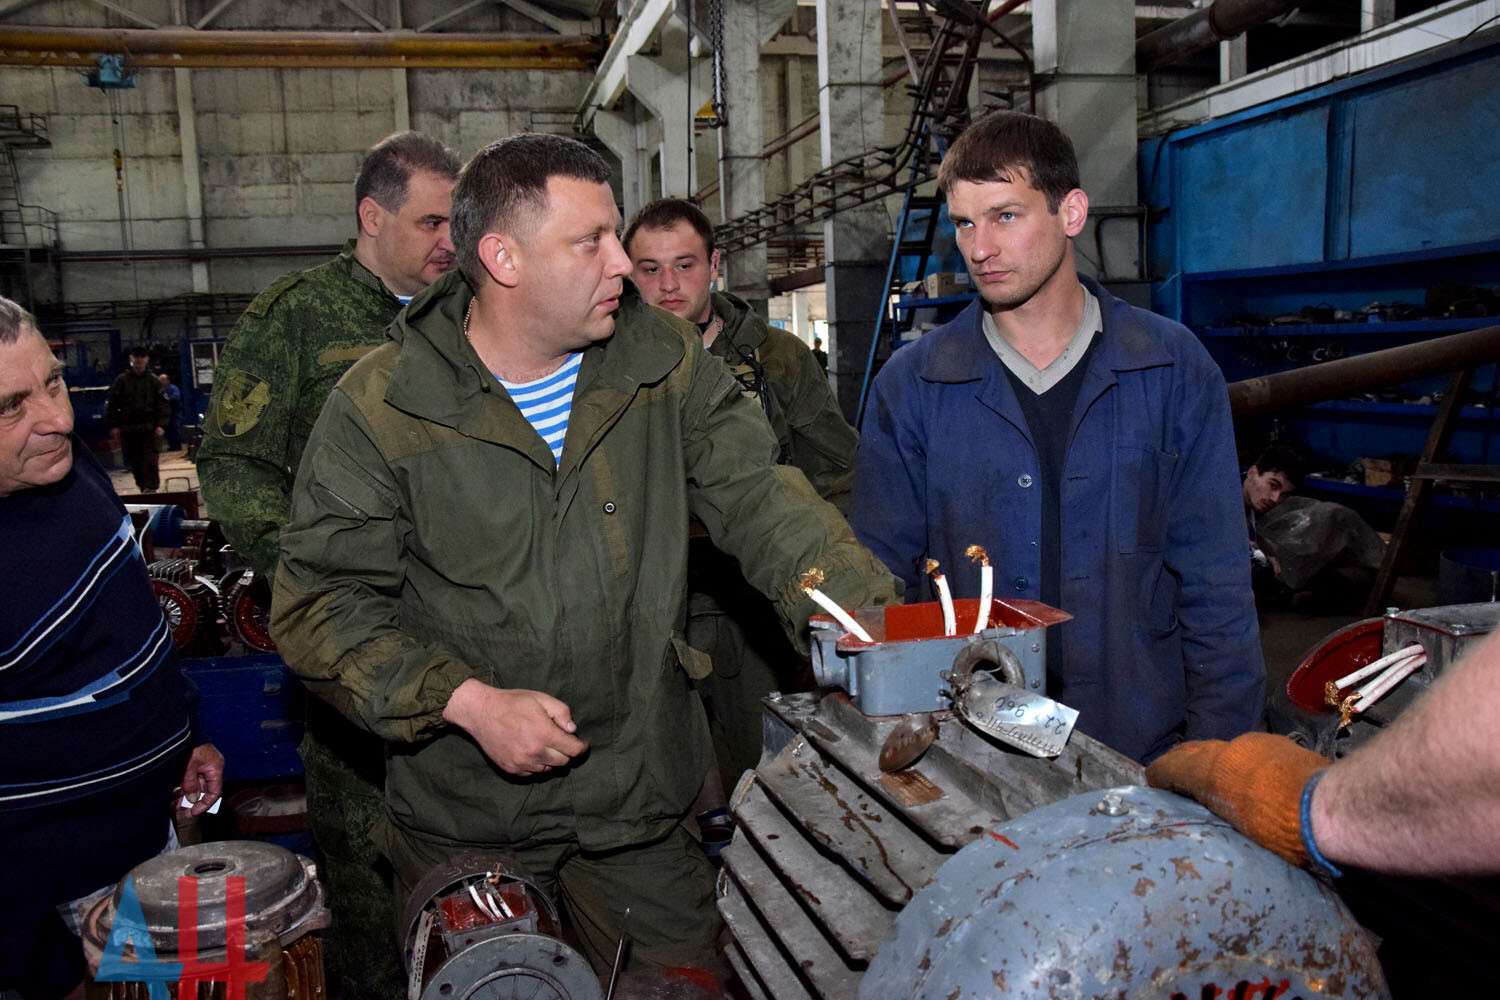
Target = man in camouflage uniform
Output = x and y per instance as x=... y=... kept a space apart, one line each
x=671 y=247
x=283 y=357
x=137 y=410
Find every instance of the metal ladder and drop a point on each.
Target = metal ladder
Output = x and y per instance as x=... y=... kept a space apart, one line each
x=26 y=231
x=12 y=226
x=912 y=243
x=941 y=50
x=18 y=130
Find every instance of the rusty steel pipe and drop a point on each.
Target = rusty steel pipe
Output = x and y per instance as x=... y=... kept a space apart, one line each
x=1337 y=379
x=1222 y=20
x=185 y=47
x=156 y=60
x=152 y=60
x=239 y=42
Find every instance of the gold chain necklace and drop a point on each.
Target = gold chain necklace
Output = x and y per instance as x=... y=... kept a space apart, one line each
x=468 y=313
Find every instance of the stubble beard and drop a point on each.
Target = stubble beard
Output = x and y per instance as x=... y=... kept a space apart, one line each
x=1019 y=298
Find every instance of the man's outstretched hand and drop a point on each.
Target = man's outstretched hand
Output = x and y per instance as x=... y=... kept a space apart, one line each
x=1254 y=781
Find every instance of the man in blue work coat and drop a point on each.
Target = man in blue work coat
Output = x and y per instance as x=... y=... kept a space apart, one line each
x=1085 y=444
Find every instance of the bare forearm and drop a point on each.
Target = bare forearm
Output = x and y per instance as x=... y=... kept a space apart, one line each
x=1424 y=796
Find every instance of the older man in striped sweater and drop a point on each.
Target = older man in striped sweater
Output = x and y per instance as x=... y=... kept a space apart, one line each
x=94 y=716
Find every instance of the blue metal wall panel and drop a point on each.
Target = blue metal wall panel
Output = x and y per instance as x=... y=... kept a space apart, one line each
x=1344 y=435
x=1253 y=195
x=1426 y=163
x=1381 y=187
x=1154 y=170
x=1416 y=150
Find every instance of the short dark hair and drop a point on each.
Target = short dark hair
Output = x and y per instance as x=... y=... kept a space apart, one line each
x=13 y=319
x=1280 y=458
x=386 y=170
x=140 y=351
x=506 y=182
x=1002 y=142
x=664 y=213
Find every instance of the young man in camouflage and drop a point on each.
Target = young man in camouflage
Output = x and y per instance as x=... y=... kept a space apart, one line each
x=675 y=263
x=486 y=563
x=282 y=359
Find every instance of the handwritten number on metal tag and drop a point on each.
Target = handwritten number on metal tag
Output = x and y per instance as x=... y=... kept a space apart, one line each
x=1013 y=715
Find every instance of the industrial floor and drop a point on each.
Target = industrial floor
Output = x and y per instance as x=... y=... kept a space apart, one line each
x=177 y=474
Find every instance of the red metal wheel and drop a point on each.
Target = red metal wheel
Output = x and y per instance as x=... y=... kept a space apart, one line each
x=179 y=609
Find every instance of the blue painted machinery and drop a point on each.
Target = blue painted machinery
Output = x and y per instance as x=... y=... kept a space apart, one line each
x=980 y=870
x=893 y=677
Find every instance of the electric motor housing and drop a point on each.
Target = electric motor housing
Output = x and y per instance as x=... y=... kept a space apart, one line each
x=479 y=927
x=1132 y=892
x=283 y=915
x=886 y=856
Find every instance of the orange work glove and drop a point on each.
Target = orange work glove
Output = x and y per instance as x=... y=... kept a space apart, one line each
x=1254 y=781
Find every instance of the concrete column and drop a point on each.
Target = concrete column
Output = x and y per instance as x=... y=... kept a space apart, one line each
x=856 y=242
x=1376 y=13
x=192 y=181
x=742 y=173
x=624 y=133
x=1085 y=63
x=192 y=178
x=790 y=114
x=672 y=90
x=664 y=93
x=1233 y=58
x=401 y=115
x=802 y=326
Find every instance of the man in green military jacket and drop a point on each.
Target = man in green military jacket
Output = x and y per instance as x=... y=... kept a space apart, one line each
x=283 y=357
x=486 y=559
x=137 y=411
x=675 y=264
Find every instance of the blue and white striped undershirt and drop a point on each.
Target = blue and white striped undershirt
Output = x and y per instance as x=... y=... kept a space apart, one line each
x=547 y=402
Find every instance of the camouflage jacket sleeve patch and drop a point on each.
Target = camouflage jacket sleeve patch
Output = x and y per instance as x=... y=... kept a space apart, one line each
x=241 y=402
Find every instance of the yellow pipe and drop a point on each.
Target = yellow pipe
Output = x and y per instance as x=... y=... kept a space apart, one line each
x=177 y=47
x=164 y=61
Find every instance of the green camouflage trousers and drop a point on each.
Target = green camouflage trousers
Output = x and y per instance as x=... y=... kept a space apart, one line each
x=345 y=769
